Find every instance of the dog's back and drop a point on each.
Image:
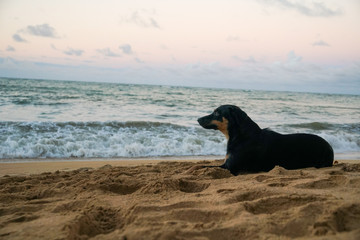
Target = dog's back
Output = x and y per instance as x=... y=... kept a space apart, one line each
x=293 y=151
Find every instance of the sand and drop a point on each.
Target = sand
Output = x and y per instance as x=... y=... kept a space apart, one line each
x=176 y=200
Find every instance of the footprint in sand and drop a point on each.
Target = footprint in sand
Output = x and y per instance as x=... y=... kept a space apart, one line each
x=342 y=219
x=331 y=182
x=250 y=195
x=278 y=203
x=168 y=185
x=94 y=221
x=144 y=209
x=120 y=188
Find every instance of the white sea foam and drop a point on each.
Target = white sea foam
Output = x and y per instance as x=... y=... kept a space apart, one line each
x=116 y=139
x=342 y=142
x=111 y=139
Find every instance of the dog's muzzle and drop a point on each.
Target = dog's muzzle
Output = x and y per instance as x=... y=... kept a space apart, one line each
x=205 y=122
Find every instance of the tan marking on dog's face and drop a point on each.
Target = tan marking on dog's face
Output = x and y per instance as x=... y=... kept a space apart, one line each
x=222 y=126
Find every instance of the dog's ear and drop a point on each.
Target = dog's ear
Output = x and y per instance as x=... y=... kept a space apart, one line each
x=237 y=115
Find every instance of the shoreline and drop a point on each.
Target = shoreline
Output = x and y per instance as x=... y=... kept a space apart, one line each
x=38 y=166
x=97 y=159
x=21 y=167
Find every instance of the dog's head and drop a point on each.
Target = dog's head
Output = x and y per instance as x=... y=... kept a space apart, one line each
x=223 y=118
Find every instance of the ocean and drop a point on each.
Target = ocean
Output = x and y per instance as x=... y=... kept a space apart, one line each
x=62 y=119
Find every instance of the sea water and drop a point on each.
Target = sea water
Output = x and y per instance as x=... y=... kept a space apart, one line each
x=63 y=119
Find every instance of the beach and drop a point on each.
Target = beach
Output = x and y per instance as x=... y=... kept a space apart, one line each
x=88 y=160
x=176 y=199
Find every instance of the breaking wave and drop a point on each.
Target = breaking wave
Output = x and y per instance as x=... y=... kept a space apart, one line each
x=137 y=139
x=105 y=139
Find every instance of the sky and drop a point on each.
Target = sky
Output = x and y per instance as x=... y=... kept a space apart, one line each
x=286 y=45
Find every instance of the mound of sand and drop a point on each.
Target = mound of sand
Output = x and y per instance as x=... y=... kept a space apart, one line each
x=178 y=200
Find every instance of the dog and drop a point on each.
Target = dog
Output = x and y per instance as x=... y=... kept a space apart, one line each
x=252 y=149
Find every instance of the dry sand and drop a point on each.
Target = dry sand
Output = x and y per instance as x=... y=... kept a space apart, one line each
x=177 y=200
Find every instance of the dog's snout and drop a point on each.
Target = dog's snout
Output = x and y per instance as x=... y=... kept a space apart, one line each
x=206 y=122
x=201 y=121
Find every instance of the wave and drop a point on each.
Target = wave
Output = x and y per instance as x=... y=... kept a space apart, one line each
x=313 y=126
x=353 y=127
x=140 y=139
x=105 y=139
x=37 y=103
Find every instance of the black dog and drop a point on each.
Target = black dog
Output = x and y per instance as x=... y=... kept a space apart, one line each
x=252 y=149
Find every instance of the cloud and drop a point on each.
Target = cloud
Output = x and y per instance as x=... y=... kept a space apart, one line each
x=293 y=64
x=73 y=52
x=307 y=8
x=53 y=46
x=18 y=38
x=292 y=58
x=142 y=18
x=43 y=30
x=107 y=52
x=126 y=48
x=291 y=74
x=250 y=59
x=10 y=49
x=138 y=60
x=321 y=43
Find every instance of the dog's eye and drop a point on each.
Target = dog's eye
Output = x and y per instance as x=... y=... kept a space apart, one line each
x=216 y=114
